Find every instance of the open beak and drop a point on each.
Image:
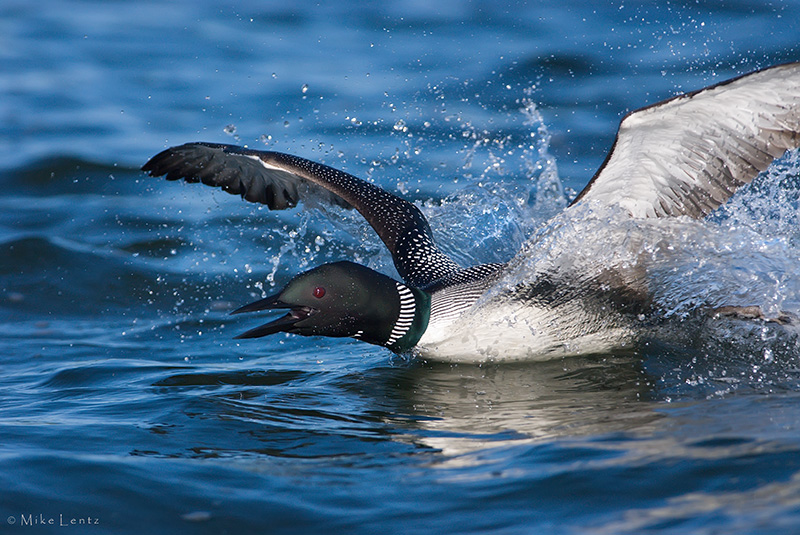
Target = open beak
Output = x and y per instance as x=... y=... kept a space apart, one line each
x=282 y=324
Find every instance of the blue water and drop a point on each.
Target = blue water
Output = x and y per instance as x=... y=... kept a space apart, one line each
x=127 y=407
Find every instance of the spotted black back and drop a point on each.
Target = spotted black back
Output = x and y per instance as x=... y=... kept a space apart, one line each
x=281 y=180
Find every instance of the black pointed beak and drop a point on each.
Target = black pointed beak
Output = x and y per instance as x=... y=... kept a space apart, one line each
x=282 y=324
x=268 y=303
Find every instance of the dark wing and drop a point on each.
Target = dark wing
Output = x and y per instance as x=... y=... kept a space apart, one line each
x=688 y=155
x=281 y=180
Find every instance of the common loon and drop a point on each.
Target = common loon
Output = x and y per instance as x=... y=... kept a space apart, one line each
x=684 y=156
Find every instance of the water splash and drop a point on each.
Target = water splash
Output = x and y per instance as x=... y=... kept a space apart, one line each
x=745 y=255
x=491 y=216
x=230 y=130
x=540 y=164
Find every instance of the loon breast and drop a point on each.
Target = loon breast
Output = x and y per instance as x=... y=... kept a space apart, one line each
x=525 y=332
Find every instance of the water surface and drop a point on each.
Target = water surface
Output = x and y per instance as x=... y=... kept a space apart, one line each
x=124 y=400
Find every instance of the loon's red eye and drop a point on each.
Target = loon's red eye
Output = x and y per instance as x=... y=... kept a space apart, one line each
x=319 y=292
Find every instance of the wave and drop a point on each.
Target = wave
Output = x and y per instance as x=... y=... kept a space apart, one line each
x=56 y=277
x=65 y=174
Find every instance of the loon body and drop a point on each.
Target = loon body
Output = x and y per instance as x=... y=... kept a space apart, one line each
x=681 y=157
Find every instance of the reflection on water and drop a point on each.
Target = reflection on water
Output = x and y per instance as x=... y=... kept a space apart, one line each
x=458 y=413
x=466 y=408
x=450 y=409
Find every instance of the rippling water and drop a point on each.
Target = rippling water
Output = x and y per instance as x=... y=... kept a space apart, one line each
x=125 y=405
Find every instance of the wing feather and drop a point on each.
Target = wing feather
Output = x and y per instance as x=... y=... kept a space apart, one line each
x=689 y=154
x=281 y=180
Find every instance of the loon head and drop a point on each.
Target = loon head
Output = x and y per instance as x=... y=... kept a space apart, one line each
x=347 y=299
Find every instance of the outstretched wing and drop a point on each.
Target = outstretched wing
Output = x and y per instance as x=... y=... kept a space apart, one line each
x=688 y=155
x=281 y=180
